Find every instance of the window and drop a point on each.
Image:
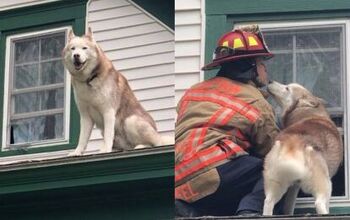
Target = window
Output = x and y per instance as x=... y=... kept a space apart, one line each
x=37 y=90
x=313 y=57
x=314 y=54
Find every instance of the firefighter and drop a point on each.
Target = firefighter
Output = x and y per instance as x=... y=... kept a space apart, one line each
x=224 y=129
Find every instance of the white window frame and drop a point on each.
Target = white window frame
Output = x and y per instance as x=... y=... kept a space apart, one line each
x=6 y=108
x=338 y=201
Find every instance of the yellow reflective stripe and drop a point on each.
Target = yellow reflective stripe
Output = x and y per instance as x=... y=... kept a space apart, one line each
x=237 y=43
x=223 y=115
x=225 y=44
x=243 y=110
x=197 y=135
x=252 y=41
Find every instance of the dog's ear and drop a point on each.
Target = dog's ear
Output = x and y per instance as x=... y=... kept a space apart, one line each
x=71 y=34
x=322 y=101
x=309 y=102
x=89 y=34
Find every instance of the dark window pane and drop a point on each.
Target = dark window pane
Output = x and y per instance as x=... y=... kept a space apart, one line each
x=38 y=128
x=280 y=68
x=320 y=72
x=278 y=40
x=51 y=47
x=26 y=51
x=26 y=76
x=52 y=99
x=52 y=72
x=318 y=38
x=28 y=102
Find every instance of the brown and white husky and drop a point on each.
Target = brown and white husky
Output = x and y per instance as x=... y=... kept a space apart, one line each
x=307 y=152
x=104 y=98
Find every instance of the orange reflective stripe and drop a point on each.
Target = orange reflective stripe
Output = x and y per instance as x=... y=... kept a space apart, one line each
x=219 y=83
x=204 y=152
x=228 y=117
x=187 y=145
x=220 y=156
x=205 y=158
x=239 y=106
x=197 y=136
x=185 y=191
x=182 y=109
x=216 y=117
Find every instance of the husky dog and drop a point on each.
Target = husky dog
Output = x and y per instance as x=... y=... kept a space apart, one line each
x=104 y=98
x=306 y=154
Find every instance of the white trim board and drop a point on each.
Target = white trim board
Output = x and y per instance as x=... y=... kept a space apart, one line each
x=22 y=5
x=203 y=30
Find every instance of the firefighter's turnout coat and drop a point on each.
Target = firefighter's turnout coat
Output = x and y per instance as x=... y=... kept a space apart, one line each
x=218 y=120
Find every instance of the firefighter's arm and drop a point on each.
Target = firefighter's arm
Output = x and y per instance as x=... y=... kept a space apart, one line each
x=264 y=132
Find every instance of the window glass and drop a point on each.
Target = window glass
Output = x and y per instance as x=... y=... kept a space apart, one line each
x=37 y=92
x=312 y=57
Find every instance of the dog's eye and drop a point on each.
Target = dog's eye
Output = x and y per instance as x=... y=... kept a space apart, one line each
x=73 y=48
x=84 y=48
x=287 y=88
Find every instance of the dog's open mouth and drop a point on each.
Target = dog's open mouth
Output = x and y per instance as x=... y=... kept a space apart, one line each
x=78 y=65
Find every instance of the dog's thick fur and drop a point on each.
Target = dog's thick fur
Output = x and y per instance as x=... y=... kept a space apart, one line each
x=307 y=152
x=104 y=98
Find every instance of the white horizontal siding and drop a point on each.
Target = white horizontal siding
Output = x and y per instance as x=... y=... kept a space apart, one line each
x=187 y=17
x=119 y=22
x=130 y=31
x=107 y=4
x=10 y=4
x=188 y=45
x=187 y=48
x=187 y=5
x=149 y=71
x=109 y=13
x=188 y=32
x=136 y=41
x=143 y=51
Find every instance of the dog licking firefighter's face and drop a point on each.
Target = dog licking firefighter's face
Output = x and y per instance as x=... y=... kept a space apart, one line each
x=80 y=55
x=289 y=95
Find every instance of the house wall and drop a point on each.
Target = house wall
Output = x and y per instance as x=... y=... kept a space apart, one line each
x=142 y=48
x=9 y=4
x=189 y=26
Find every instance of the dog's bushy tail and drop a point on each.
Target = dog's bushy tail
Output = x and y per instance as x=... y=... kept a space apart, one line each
x=290 y=166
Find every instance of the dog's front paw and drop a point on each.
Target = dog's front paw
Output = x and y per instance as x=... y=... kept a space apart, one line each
x=75 y=154
x=141 y=146
x=104 y=151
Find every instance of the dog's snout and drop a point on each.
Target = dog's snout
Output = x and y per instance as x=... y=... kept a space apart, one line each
x=76 y=56
x=270 y=81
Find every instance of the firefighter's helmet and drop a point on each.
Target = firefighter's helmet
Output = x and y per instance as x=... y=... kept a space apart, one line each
x=243 y=42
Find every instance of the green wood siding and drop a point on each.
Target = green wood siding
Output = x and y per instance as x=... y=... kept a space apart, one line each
x=161 y=9
x=35 y=18
x=120 y=185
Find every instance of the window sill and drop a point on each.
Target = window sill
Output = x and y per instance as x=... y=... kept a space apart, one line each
x=115 y=167
x=281 y=217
